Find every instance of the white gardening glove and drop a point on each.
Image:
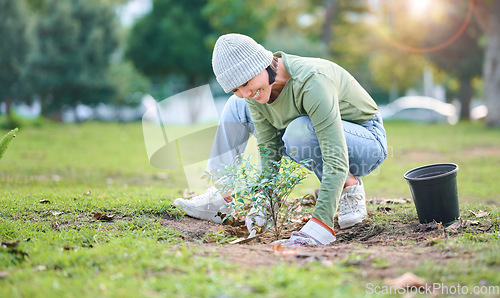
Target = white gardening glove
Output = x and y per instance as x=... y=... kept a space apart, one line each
x=315 y=232
x=258 y=216
x=255 y=221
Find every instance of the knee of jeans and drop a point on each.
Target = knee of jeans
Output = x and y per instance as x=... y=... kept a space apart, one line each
x=296 y=133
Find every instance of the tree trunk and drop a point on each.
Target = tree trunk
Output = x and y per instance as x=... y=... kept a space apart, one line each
x=43 y=105
x=326 y=31
x=8 y=112
x=465 y=98
x=8 y=107
x=75 y=111
x=491 y=68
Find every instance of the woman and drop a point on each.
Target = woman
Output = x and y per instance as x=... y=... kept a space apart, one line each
x=306 y=108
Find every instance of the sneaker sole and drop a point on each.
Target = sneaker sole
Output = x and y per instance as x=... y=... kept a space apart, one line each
x=200 y=214
x=345 y=224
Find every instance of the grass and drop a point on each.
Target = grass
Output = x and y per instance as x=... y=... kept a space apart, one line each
x=103 y=167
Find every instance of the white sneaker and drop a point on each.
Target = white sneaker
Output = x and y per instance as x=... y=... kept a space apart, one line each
x=352 y=206
x=207 y=206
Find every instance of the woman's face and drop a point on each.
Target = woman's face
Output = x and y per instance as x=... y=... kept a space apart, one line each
x=257 y=88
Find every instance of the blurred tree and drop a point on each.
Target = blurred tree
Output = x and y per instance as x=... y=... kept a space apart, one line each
x=393 y=68
x=488 y=17
x=343 y=28
x=293 y=29
x=252 y=18
x=14 y=49
x=296 y=43
x=275 y=24
x=395 y=71
x=463 y=57
x=326 y=31
x=350 y=36
x=171 y=40
x=35 y=5
x=130 y=84
x=118 y=2
x=70 y=62
x=339 y=25
x=334 y=26
x=38 y=4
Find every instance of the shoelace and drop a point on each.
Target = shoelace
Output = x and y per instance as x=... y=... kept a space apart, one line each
x=203 y=197
x=345 y=204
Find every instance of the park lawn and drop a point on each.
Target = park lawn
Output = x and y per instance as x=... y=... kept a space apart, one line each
x=56 y=177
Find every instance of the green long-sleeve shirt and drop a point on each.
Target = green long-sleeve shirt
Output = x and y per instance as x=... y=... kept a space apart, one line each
x=326 y=93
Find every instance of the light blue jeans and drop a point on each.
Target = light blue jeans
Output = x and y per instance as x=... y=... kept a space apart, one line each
x=366 y=142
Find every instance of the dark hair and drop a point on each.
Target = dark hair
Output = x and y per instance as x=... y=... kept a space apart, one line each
x=272 y=70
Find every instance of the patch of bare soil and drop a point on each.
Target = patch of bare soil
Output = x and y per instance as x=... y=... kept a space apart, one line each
x=191 y=229
x=378 y=249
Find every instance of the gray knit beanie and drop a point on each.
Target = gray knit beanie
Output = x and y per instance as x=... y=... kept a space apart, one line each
x=237 y=59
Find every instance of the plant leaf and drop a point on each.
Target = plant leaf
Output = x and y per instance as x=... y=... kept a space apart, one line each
x=103 y=217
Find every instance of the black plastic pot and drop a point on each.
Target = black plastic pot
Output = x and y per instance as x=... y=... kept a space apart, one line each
x=434 y=190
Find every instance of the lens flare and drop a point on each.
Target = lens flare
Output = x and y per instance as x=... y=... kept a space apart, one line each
x=418 y=8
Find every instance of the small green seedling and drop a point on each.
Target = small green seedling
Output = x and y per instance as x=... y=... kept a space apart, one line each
x=263 y=189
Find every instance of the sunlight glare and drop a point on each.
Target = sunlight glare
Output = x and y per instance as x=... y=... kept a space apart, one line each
x=419 y=7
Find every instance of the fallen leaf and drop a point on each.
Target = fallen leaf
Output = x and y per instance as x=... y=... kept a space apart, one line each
x=161 y=176
x=308 y=256
x=280 y=250
x=456 y=226
x=407 y=280
x=485 y=226
x=428 y=227
x=57 y=213
x=67 y=248
x=431 y=242
x=480 y=213
x=44 y=201
x=9 y=244
x=40 y=268
x=374 y=232
x=244 y=240
x=384 y=208
x=103 y=217
x=473 y=222
x=376 y=200
x=396 y=201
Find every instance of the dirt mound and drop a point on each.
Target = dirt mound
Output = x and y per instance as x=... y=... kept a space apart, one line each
x=368 y=231
x=379 y=247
